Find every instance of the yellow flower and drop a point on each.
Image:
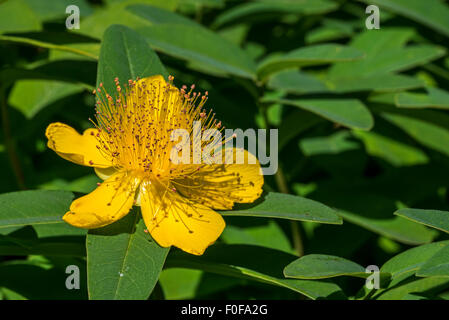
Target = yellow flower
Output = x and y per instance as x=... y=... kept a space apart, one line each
x=130 y=150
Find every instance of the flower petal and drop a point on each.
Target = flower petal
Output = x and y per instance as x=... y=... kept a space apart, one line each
x=220 y=186
x=111 y=201
x=80 y=149
x=173 y=220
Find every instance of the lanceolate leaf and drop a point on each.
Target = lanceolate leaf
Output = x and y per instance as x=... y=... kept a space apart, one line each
x=285 y=206
x=37 y=207
x=17 y=16
x=376 y=217
x=409 y=262
x=200 y=46
x=126 y=55
x=297 y=82
x=437 y=265
x=319 y=266
x=348 y=112
x=31 y=96
x=432 y=218
x=155 y=15
x=428 y=127
x=436 y=98
x=245 y=261
x=312 y=55
x=431 y=13
x=123 y=262
x=429 y=285
x=247 y=10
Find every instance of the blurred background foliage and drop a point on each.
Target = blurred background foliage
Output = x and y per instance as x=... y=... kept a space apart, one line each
x=363 y=128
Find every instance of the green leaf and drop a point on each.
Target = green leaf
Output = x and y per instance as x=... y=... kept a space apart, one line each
x=391 y=60
x=331 y=29
x=56 y=9
x=35 y=207
x=84 y=50
x=436 y=98
x=200 y=46
x=31 y=96
x=123 y=262
x=385 y=53
x=428 y=127
x=292 y=81
x=247 y=10
x=47 y=278
x=375 y=82
x=387 y=148
x=244 y=261
x=433 y=218
x=410 y=261
x=431 y=13
x=126 y=55
x=298 y=82
x=308 y=56
x=431 y=285
x=296 y=123
x=178 y=283
x=332 y=144
x=156 y=15
x=96 y=24
x=348 y=112
x=373 y=212
x=51 y=246
x=285 y=206
x=268 y=234
x=17 y=16
x=437 y=265
x=320 y=266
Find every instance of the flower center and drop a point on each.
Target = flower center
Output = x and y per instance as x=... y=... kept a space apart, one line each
x=136 y=125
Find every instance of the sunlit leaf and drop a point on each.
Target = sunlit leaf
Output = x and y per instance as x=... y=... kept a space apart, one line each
x=123 y=262
x=433 y=218
x=351 y=113
x=284 y=206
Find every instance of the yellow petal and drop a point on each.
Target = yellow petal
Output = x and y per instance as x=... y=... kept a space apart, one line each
x=173 y=220
x=111 y=201
x=220 y=186
x=105 y=173
x=80 y=149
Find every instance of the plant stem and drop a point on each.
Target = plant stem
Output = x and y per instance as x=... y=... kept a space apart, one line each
x=9 y=142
